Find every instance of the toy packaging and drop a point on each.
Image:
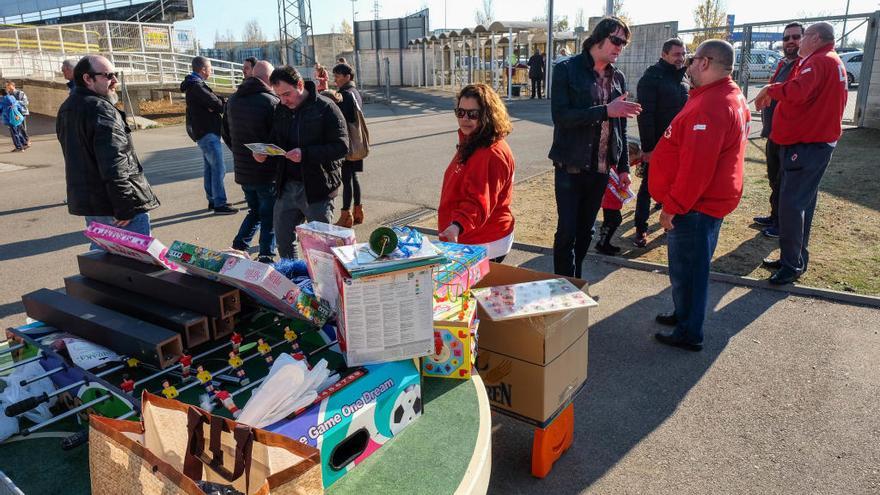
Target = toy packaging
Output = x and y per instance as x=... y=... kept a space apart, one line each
x=466 y=266
x=316 y=239
x=535 y=298
x=357 y=416
x=131 y=245
x=455 y=339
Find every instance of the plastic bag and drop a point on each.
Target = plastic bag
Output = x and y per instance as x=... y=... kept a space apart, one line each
x=14 y=392
x=289 y=386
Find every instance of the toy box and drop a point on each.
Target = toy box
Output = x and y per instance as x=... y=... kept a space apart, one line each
x=455 y=339
x=466 y=266
x=361 y=414
x=257 y=279
x=131 y=245
x=316 y=240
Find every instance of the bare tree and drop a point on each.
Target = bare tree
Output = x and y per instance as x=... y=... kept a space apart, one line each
x=253 y=33
x=560 y=22
x=580 y=20
x=710 y=16
x=347 y=33
x=486 y=15
x=620 y=13
x=228 y=37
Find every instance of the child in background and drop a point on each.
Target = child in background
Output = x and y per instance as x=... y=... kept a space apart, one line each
x=11 y=113
x=612 y=202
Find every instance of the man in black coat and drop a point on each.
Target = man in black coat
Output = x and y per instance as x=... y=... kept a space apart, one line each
x=105 y=180
x=204 y=112
x=248 y=119
x=536 y=74
x=312 y=130
x=662 y=92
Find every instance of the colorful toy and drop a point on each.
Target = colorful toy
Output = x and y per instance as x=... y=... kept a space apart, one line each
x=205 y=378
x=168 y=390
x=289 y=335
x=265 y=350
x=235 y=338
x=127 y=384
x=185 y=364
x=236 y=363
x=467 y=265
x=226 y=399
x=455 y=335
x=132 y=362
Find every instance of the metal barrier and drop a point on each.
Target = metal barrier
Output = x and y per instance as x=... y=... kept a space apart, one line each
x=98 y=37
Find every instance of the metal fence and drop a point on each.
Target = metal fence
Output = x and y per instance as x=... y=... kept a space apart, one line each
x=98 y=37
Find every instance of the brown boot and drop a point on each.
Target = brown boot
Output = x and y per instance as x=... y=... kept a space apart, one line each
x=345 y=219
x=358 y=214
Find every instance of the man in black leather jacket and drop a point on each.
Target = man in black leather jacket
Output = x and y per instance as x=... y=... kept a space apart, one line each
x=312 y=130
x=248 y=119
x=105 y=180
x=662 y=92
x=589 y=109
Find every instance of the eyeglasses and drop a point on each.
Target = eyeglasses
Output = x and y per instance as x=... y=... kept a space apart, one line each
x=792 y=37
x=690 y=60
x=108 y=75
x=618 y=41
x=473 y=114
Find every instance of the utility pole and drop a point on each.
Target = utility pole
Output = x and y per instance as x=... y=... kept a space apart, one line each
x=549 y=51
x=609 y=7
x=357 y=60
x=843 y=39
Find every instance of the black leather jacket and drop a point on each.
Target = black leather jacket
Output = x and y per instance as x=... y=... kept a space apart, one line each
x=204 y=109
x=104 y=175
x=318 y=128
x=662 y=92
x=578 y=116
x=248 y=119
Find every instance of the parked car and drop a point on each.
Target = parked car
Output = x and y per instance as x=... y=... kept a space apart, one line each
x=762 y=63
x=853 y=63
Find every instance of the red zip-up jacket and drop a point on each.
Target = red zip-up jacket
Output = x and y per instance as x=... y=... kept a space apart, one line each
x=812 y=101
x=477 y=194
x=698 y=163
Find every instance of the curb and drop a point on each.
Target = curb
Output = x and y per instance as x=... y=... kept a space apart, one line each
x=795 y=290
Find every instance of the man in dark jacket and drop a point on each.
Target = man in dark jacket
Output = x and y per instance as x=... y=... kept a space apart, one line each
x=312 y=130
x=536 y=74
x=204 y=112
x=662 y=92
x=248 y=119
x=589 y=110
x=105 y=180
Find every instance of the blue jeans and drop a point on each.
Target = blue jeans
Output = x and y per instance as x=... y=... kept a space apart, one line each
x=17 y=139
x=260 y=199
x=140 y=223
x=578 y=197
x=691 y=246
x=215 y=169
x=643 y=204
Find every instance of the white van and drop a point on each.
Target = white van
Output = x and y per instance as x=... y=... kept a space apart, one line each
x=762 y=64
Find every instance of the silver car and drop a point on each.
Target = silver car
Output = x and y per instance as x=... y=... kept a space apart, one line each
x=853 y=63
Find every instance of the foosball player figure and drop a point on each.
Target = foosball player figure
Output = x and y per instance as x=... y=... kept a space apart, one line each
x=168 y=390
x=132 y=362
x=205 y=378
x=236 y=363
x=186 y=361
x=127 y=384
x=235 y=338
x=265 y=350
x=297 y=352
x=290 y=336
x=228 y=403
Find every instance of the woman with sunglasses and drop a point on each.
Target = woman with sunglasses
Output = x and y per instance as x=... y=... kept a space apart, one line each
x=478 y=184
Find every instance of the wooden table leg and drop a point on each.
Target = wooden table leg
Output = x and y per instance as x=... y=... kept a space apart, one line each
x=551 y=442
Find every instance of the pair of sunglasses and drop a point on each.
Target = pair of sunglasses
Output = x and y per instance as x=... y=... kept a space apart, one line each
x=108 y=75
x=469 y=114
x=792 y=37
x=690 y=60
x=618 y=41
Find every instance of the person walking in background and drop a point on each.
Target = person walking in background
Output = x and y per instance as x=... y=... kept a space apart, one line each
x=589 y=109
x=312 y=130
x=343 y=77
x=321 y=78
x=204 y=115
x=791 y=44
x=23 y=107
x=697 y=174
x=248 y=119
x=536 y=74
x=247 y=67
x=67 y=71
x=806 y=126
x=478 y=183
x=10 y=111
x=105 y=180
x=662 y=92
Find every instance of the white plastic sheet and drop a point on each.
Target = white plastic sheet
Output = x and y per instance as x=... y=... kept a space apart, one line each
x=290 y=385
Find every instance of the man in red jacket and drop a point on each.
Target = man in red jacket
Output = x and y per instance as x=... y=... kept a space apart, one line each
x=697 y=173
x=806 y=125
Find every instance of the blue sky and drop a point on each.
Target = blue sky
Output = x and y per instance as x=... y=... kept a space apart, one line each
x=222 y=15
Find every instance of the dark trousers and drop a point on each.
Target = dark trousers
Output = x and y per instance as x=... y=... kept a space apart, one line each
x=643 y=203
x=691 y=246
x=260 y=200
x=578 y=197
x=803 y=166
x=538 y=88
x=23 y=130
x=611 y=220
x=773 y=176
x=17 y=140
x=351 y=188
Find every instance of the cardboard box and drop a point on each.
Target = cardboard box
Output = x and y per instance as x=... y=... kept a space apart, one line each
x=316 y=240
x=131 y=245
x=455 y=339
x=354 y=421
x=532 y=367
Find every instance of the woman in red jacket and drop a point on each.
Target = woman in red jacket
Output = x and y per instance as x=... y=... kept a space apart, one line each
x=478 y=184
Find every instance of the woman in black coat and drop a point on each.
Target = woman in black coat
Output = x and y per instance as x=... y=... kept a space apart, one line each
x=343 y=76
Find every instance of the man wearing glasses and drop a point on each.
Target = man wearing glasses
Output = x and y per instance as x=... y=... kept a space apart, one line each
x=697 y=174
x=589 y=110
x=105 y=180
x=806 y=125
x=791 y=43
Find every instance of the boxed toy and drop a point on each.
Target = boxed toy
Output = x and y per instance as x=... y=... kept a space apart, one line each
x=466 y=266
x=257 y=279
x=362 y=413
x=131 y=245
x=316 y=240
x=455 y=339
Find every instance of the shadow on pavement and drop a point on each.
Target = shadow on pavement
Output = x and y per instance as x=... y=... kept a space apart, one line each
x=178 y=164
x=634 y=384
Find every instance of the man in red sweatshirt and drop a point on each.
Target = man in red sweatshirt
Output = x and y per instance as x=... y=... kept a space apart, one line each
x=806 y=125
x=697 y=173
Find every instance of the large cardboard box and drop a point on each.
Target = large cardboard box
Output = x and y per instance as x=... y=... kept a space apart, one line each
x=532 y=367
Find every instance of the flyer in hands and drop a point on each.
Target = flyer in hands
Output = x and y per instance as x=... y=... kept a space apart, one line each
x=265 y=149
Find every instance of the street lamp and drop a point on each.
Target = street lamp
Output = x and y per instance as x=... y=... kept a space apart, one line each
x=357 y=60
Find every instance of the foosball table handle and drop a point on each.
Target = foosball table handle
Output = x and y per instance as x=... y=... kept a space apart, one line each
x=75 y=440
x=25 y=405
